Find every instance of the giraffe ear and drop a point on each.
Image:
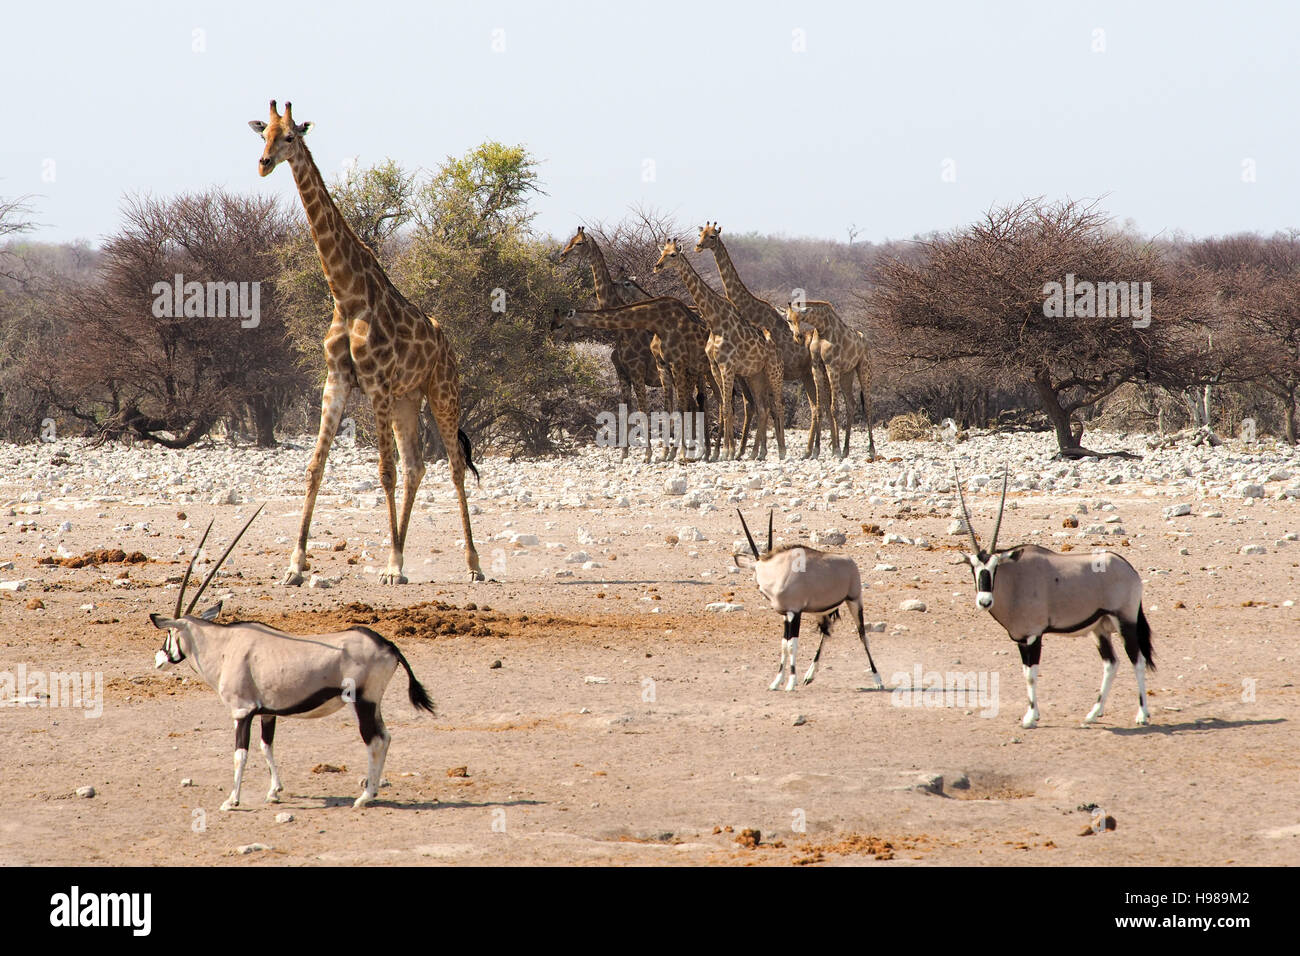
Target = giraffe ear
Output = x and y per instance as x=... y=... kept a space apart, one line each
x=257 y=126
x=302 y=128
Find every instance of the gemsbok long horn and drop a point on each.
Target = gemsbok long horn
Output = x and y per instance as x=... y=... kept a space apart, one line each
x=752 y=546
x=180 y=598
x=225 y=554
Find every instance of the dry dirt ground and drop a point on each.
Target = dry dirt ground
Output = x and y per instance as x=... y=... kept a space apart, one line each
x=625 y=724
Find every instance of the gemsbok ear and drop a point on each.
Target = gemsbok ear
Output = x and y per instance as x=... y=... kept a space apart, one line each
x=212 y=613
x=160 y=622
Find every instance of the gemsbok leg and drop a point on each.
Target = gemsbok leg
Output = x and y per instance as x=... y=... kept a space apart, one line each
x=268 y=738
x=1031 y=649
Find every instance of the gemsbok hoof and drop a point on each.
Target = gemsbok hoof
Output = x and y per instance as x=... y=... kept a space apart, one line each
x=230 y=804
x=1030 y=720
x=1142 y=719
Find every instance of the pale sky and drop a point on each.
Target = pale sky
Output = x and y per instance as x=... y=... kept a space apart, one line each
x=798 y=118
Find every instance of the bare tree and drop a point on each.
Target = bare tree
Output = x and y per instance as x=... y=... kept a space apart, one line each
x=1045 y=295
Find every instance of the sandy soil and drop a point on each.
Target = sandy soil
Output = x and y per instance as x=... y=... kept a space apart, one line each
x=626 y=724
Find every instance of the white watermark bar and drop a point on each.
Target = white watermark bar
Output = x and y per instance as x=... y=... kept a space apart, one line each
x=965 y=689
x=179 y=299
x=636 y=429
x=51 y=689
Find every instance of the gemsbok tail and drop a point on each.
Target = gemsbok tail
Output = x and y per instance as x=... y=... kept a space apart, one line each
x=419 y=697
x=1144 y=638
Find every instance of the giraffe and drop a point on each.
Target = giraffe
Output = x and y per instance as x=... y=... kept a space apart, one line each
x=377 y=342
x=633 y=356
x=845 y=354
x=680 y=339
x=735 y=348
x=795 y=358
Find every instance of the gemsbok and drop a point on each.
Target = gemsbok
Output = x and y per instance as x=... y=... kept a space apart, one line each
x=1032 y=591
x=797 y=580
x=259 y=671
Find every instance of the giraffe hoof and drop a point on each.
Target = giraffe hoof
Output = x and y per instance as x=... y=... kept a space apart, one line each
x=292 y=579
x=392 y=577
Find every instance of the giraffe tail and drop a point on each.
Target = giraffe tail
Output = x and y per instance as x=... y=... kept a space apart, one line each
x=465 y=447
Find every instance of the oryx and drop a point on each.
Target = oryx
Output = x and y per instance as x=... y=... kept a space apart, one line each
x=1032 y=591
x=797 y=580
x=259 y=671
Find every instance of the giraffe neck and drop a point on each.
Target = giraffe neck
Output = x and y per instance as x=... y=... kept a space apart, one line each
x=339 y=248
x=606 y=293
x=736 y=290
x=711 y=305
x=627 y=317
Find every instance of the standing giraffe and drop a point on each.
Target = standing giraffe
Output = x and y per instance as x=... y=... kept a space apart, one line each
x=379 y=342
x=633 y=356
x=735 y=348
x=795 y=359
x=844 y=352
x=680 y=340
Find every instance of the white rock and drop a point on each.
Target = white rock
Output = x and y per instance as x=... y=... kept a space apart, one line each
x=912 y=605
x=248 y=848
x=1250 y=490
x=86 y=792
x=1177 y=511
x=525 y=540
x=1253 y=549
x=13 y=585
x=829 y=536
x=284 y=818
x=722 y=607
x=675 y=486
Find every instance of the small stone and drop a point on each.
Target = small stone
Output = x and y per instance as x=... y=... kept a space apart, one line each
x=86 y=792
x=495 y=666
x=284 y=818
x=1253 y=549
x=929 y=783
x=799 y=720
x=722 y=607
x=912 y=605
x=248 y=848
x=187 y=781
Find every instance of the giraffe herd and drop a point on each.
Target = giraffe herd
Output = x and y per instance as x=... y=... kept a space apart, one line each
x=385 y=347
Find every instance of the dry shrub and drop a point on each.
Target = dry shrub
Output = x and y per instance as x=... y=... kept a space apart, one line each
x=912 y=426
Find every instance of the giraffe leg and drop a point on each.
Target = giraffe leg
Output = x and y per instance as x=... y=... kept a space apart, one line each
x=836 y=400
x=672 y=400
x=446 y=413
x=406 y=431
x=777 y=400
x=747 y=402
x=643 y=406
x=847 y=383
x=334 y=398
x=864 y=380
x=821 y=387
x=727 y=380
x=387 y=445
x=624 y=390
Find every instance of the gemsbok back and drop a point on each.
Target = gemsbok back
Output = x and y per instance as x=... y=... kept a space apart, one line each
x=1032 y=591
x=797 y=580
x=259 y=671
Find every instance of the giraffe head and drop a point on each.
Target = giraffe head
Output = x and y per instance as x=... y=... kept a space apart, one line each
x=792 y=317
x=668 y=254
x=710 y=234
x=282 y=136
x=579 y=242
